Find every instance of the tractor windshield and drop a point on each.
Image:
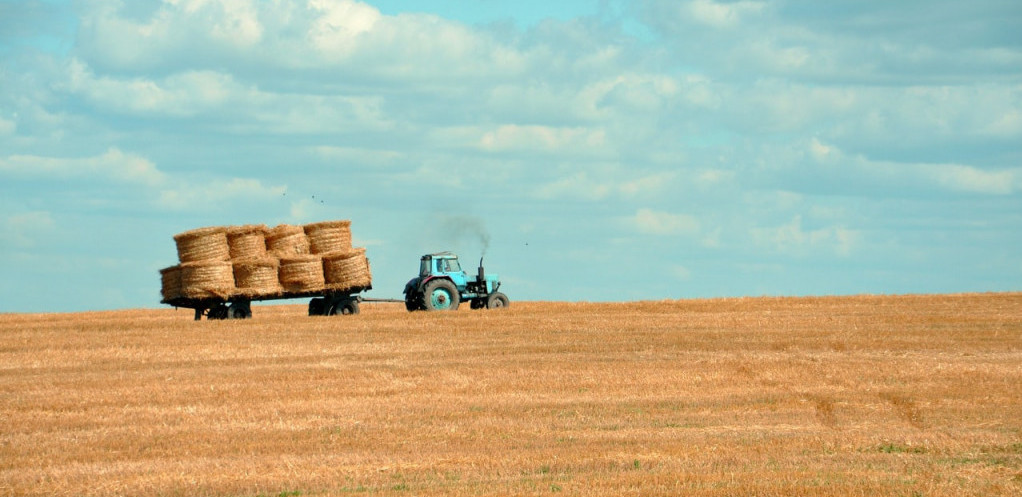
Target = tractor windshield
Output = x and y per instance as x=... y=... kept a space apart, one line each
x=452 y=266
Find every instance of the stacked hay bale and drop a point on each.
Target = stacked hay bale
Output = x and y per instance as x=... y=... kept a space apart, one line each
x=286 y=240
x=257 y=277
x=247 y=242
x=203 y=244
x=255 y=271
x=204 y=271
x=255 y=261
x=344 y=270
x=170 y=278
x=329 y=236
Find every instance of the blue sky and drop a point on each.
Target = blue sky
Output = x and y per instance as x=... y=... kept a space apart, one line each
x=608 y=150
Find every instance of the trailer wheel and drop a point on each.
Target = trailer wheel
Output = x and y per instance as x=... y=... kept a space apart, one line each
x=239 y=310
x=345 y=308
x=497 y=300
x=218 y=311
x=317 y=307
x=478 y=304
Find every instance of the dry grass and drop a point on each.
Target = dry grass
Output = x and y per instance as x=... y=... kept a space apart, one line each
x=913 y=395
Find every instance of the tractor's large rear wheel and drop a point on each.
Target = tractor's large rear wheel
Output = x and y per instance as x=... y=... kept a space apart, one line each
x=497 y=300
x=441 y=295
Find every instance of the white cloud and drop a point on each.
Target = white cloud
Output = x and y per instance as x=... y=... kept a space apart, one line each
x=651 y=222
x=336 y=32
x=113 y=165
x=7 y=127
x=793 y=239
x=644 y=186
x=722 y=15
x=915 y=175
x=22 y=229
x=182 y=94
x=680 y=272
x=346 y=156
x=542 y=138
x=578 y=185
x=972 y=180
x=210 y=194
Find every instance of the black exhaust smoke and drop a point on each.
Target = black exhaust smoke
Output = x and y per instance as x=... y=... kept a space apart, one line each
x=459 y=228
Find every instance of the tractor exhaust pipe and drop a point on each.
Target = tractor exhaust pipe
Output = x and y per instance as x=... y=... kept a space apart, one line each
x=481 y=277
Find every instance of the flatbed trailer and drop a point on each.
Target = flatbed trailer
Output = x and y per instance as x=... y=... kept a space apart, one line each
x=322 y=303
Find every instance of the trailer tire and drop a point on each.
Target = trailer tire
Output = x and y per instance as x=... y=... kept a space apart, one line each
x=238 y=310
x=317 y=307
x=218 y=311
x=344 y=307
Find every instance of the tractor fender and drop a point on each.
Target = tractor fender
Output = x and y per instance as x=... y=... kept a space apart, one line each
x=424 y=281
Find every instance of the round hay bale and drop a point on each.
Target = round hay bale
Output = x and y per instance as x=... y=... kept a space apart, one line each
x=346 y=270
x=247 y=242
x=205 y=279
x=203 y=244
x=287 y=240
x=329 y=236
x=257 y=277
x=301 y=273
x=170 y=279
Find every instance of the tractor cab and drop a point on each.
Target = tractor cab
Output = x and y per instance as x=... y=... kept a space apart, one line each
x=442 y=264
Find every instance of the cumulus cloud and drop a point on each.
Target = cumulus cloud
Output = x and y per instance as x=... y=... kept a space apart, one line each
x=219 y=193
x=794 y=240
x=113 y=165
x=543 y=138
x=22 y=229
x=722 y=15
x=652 y=222
x=7 y=127
x=911 y=177
x=177 y=95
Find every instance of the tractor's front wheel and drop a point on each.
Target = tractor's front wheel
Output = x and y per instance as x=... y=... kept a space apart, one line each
x=441 y=295
x=497 y=300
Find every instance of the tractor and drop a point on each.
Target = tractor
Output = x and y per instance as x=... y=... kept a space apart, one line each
x=442 y=285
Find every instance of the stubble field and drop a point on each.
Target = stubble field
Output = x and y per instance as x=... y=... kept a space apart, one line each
x=866 y=395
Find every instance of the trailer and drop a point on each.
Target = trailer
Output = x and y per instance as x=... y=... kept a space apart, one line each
x=322 y=303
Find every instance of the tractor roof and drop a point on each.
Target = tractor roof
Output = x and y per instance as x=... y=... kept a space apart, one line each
x=442 y=255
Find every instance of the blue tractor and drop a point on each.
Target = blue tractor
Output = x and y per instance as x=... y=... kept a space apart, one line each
x=442 y=285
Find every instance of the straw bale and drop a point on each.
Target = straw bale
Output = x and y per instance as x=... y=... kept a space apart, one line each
x=205 y=279
x=329 y=236
x=286 y=240
x=346 y=270
x=203 y=244
x=257 y=277
x=247 y=241
x=170 y=279
x=301 y=273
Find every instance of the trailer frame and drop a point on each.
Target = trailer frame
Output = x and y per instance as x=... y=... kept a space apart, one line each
x=322 y=303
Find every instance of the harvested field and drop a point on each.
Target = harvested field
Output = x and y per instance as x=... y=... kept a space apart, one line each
x=901 y=395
